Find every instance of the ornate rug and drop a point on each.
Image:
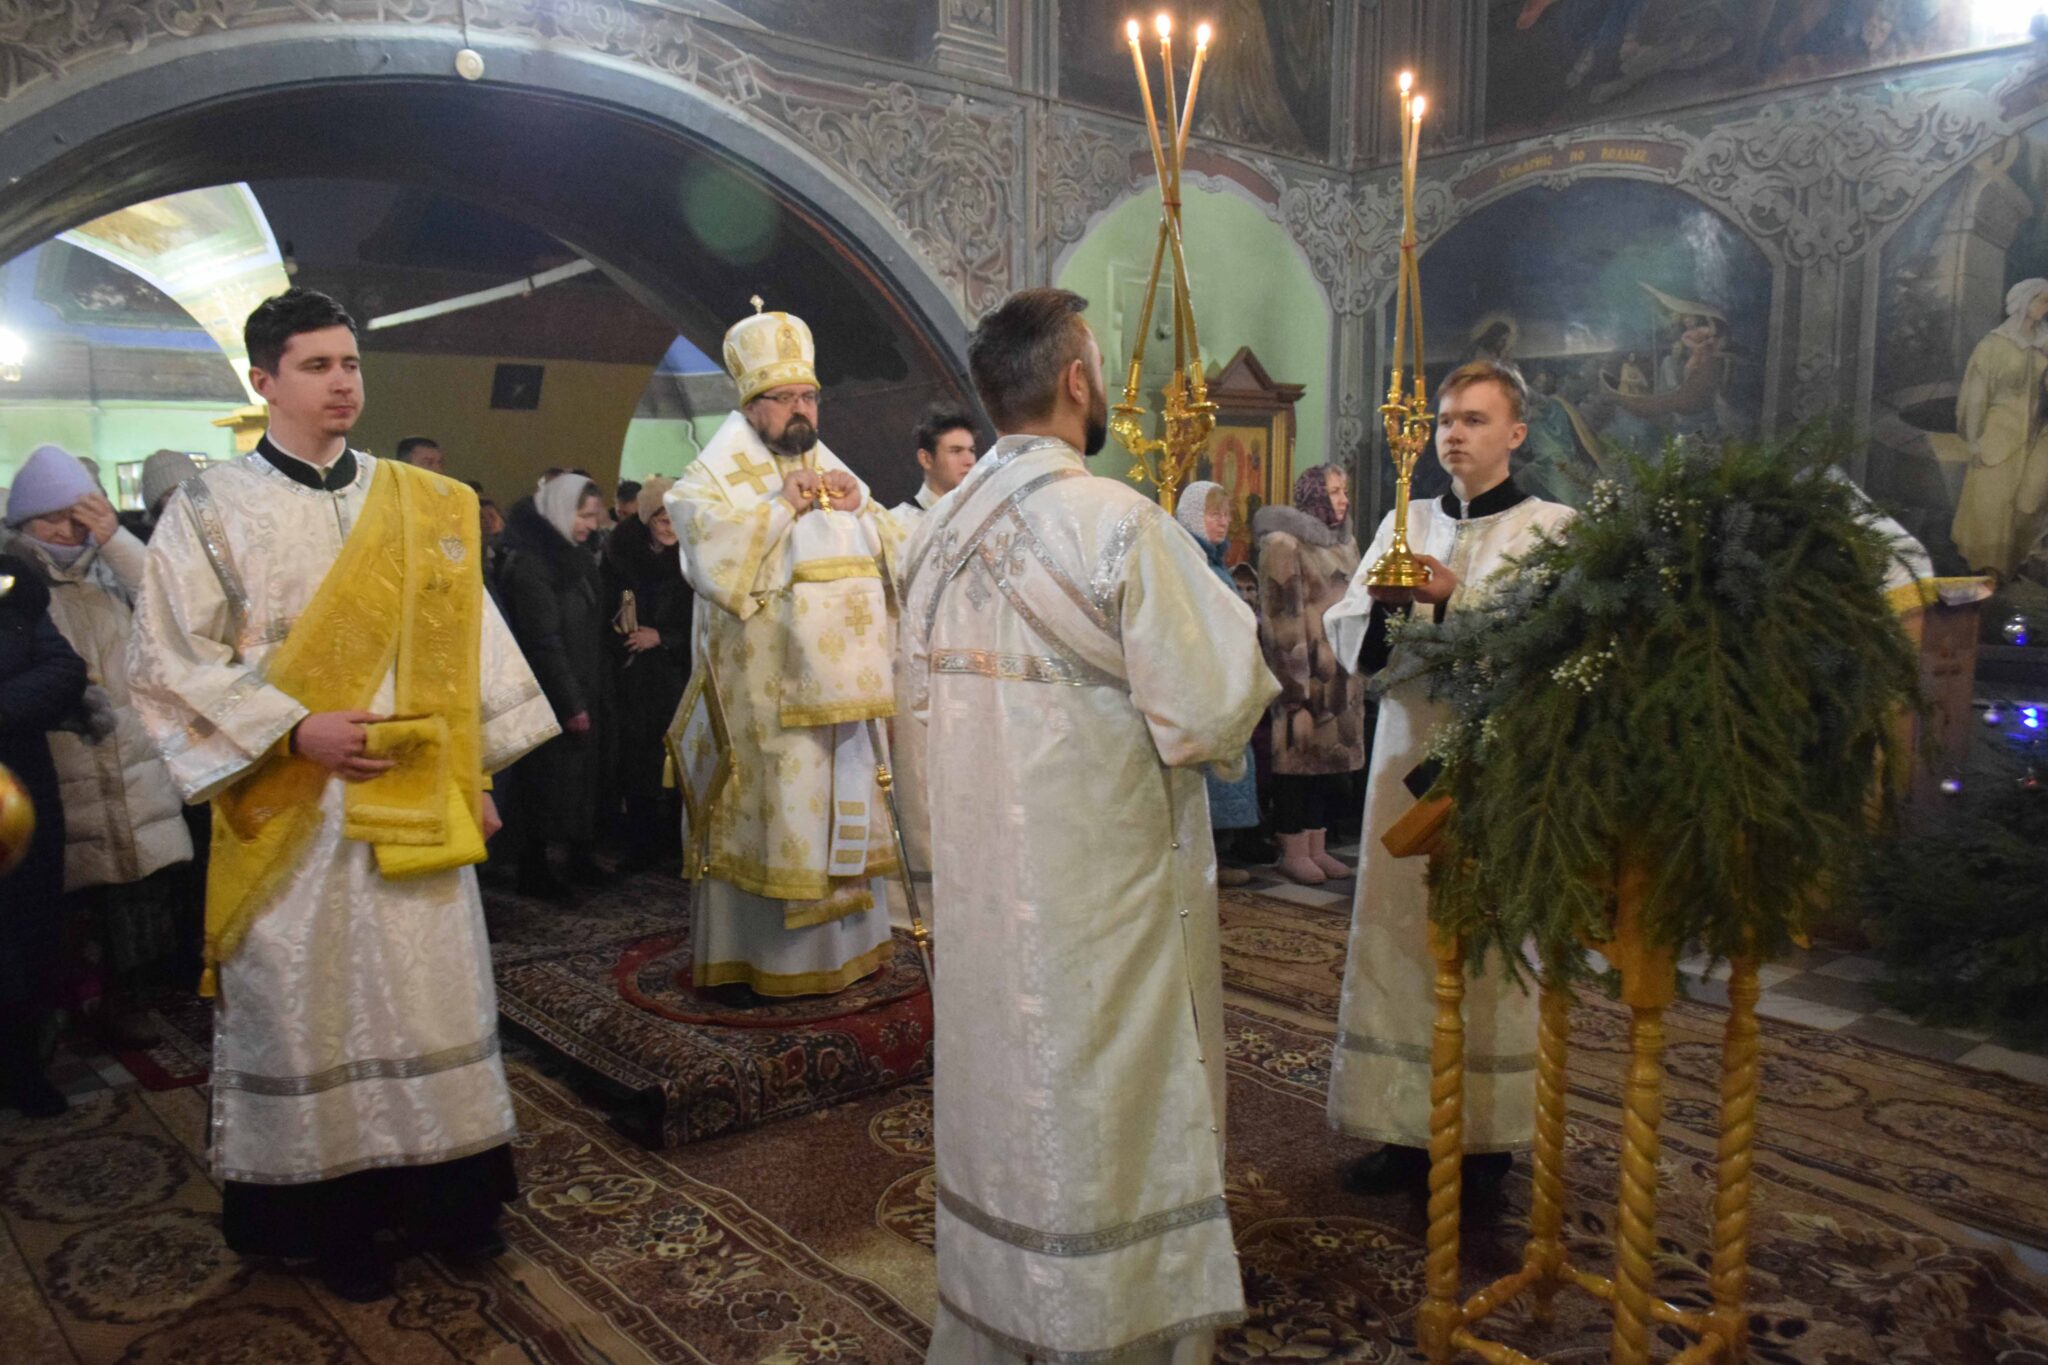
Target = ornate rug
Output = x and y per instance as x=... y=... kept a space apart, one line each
x=183 y=1052
x=692 y=1068
x=1967 y=1142
x=111 y=1255
x=811 y=1241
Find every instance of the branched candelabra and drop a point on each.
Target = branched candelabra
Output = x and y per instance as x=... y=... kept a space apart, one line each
x=1188 y=416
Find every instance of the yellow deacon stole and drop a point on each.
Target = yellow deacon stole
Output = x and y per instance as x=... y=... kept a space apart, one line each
x=405 y=593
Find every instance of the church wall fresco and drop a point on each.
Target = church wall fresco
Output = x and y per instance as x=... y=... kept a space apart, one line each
x=1559 y=62
x=1636 y=313
x=993 y=148
x=1944 y=430
x=894 y=30
x=1267 y=87
x=1850 y=246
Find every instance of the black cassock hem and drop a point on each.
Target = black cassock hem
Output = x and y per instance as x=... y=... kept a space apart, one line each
x=446 y=1205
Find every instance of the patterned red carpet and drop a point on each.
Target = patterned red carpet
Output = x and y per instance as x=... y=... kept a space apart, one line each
x=808 y=1241
x=620 y=1005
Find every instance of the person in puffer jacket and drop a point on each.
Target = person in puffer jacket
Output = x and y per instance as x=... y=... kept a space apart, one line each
x=124 y=823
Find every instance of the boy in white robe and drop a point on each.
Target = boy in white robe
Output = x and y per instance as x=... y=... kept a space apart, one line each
x=1379 y=1069
x=357 y=1081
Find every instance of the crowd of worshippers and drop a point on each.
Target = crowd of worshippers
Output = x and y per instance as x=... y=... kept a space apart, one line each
x=703 y=674
x=594 y=592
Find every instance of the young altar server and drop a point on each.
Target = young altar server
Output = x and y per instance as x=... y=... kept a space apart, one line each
x=314 y=652
x=1077 y=663
x=1379 y=1069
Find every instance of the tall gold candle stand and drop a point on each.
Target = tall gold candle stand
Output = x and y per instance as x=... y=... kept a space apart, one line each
x=1188 y=416
x=1405 y=414
x=1446 y=1324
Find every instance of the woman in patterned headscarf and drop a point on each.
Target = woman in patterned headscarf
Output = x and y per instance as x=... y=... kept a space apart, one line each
x=1306 y=559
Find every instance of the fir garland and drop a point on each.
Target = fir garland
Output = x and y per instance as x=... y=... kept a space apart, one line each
x=1697 y=675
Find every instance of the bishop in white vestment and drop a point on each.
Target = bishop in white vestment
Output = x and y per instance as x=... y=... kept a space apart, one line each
x=1077 y=663
x=1379 y=1068
x=786 y=833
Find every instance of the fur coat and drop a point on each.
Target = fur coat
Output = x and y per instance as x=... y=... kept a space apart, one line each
x=1318 y=720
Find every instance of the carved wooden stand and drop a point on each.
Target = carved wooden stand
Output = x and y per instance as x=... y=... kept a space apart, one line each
x=1445 y=1327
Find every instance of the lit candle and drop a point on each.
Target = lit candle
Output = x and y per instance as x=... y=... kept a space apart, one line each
x=1164 y=23
x=1202 y=35
x=1414 y=268
x=1407 y=82
x=1145 y=92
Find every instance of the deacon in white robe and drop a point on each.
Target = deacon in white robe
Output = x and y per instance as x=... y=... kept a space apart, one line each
x=911 y=510
x=786 y=832
x=1077 y=663
x=1379 y=1068
x=356 y=1023
x=946 y=451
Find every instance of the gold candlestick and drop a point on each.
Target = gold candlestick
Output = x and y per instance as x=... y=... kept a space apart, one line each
x=1407 y=418
x=1188 y=416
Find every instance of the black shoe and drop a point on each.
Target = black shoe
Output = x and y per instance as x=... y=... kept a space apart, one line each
x=1484 y=1176
x=34 y=1096
x=1393 y=1169
x=1486 y=1171
x=541 y=884
x=358 y=1274
x=737 y=995
x=476 y=1249
x=585 y=870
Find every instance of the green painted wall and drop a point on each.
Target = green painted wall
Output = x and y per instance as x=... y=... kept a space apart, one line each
x=111 y=432
x=1251 y=288
x=664 y=445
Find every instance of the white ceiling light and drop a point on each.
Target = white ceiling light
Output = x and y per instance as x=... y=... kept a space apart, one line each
x=13 y=352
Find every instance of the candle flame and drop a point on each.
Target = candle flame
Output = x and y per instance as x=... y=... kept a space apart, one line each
x=1407 y=81
x=1131 y=30
x=1202 y=35
x=1420 y=103
x=1164 y=23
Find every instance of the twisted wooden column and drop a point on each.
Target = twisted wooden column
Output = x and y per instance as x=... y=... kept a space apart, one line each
x=1546 y=1207
x=1636 y=1224
x=1732 y=1167
x=1649 y=982
x=1440 y=1314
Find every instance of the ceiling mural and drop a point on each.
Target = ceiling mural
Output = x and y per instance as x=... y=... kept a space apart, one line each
x=1559 y=62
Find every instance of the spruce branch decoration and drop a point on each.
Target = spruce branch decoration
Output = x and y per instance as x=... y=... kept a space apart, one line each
x=1698 y=675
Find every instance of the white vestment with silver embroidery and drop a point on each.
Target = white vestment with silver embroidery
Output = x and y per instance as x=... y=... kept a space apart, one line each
x=1379 y=1068
x=357 y=1025
x=1076 y=662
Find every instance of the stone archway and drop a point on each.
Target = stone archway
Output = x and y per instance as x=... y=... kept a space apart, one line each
x=589 y=148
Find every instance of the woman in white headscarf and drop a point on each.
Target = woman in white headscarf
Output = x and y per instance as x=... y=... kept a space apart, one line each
x=1999 y=414
x=549 y=587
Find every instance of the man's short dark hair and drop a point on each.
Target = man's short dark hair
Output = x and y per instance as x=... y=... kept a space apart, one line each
x=628 y=488
x=1499 y=372
x=281 y=317
x=1019 y=351
x=404 y=449
x=937 y=422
